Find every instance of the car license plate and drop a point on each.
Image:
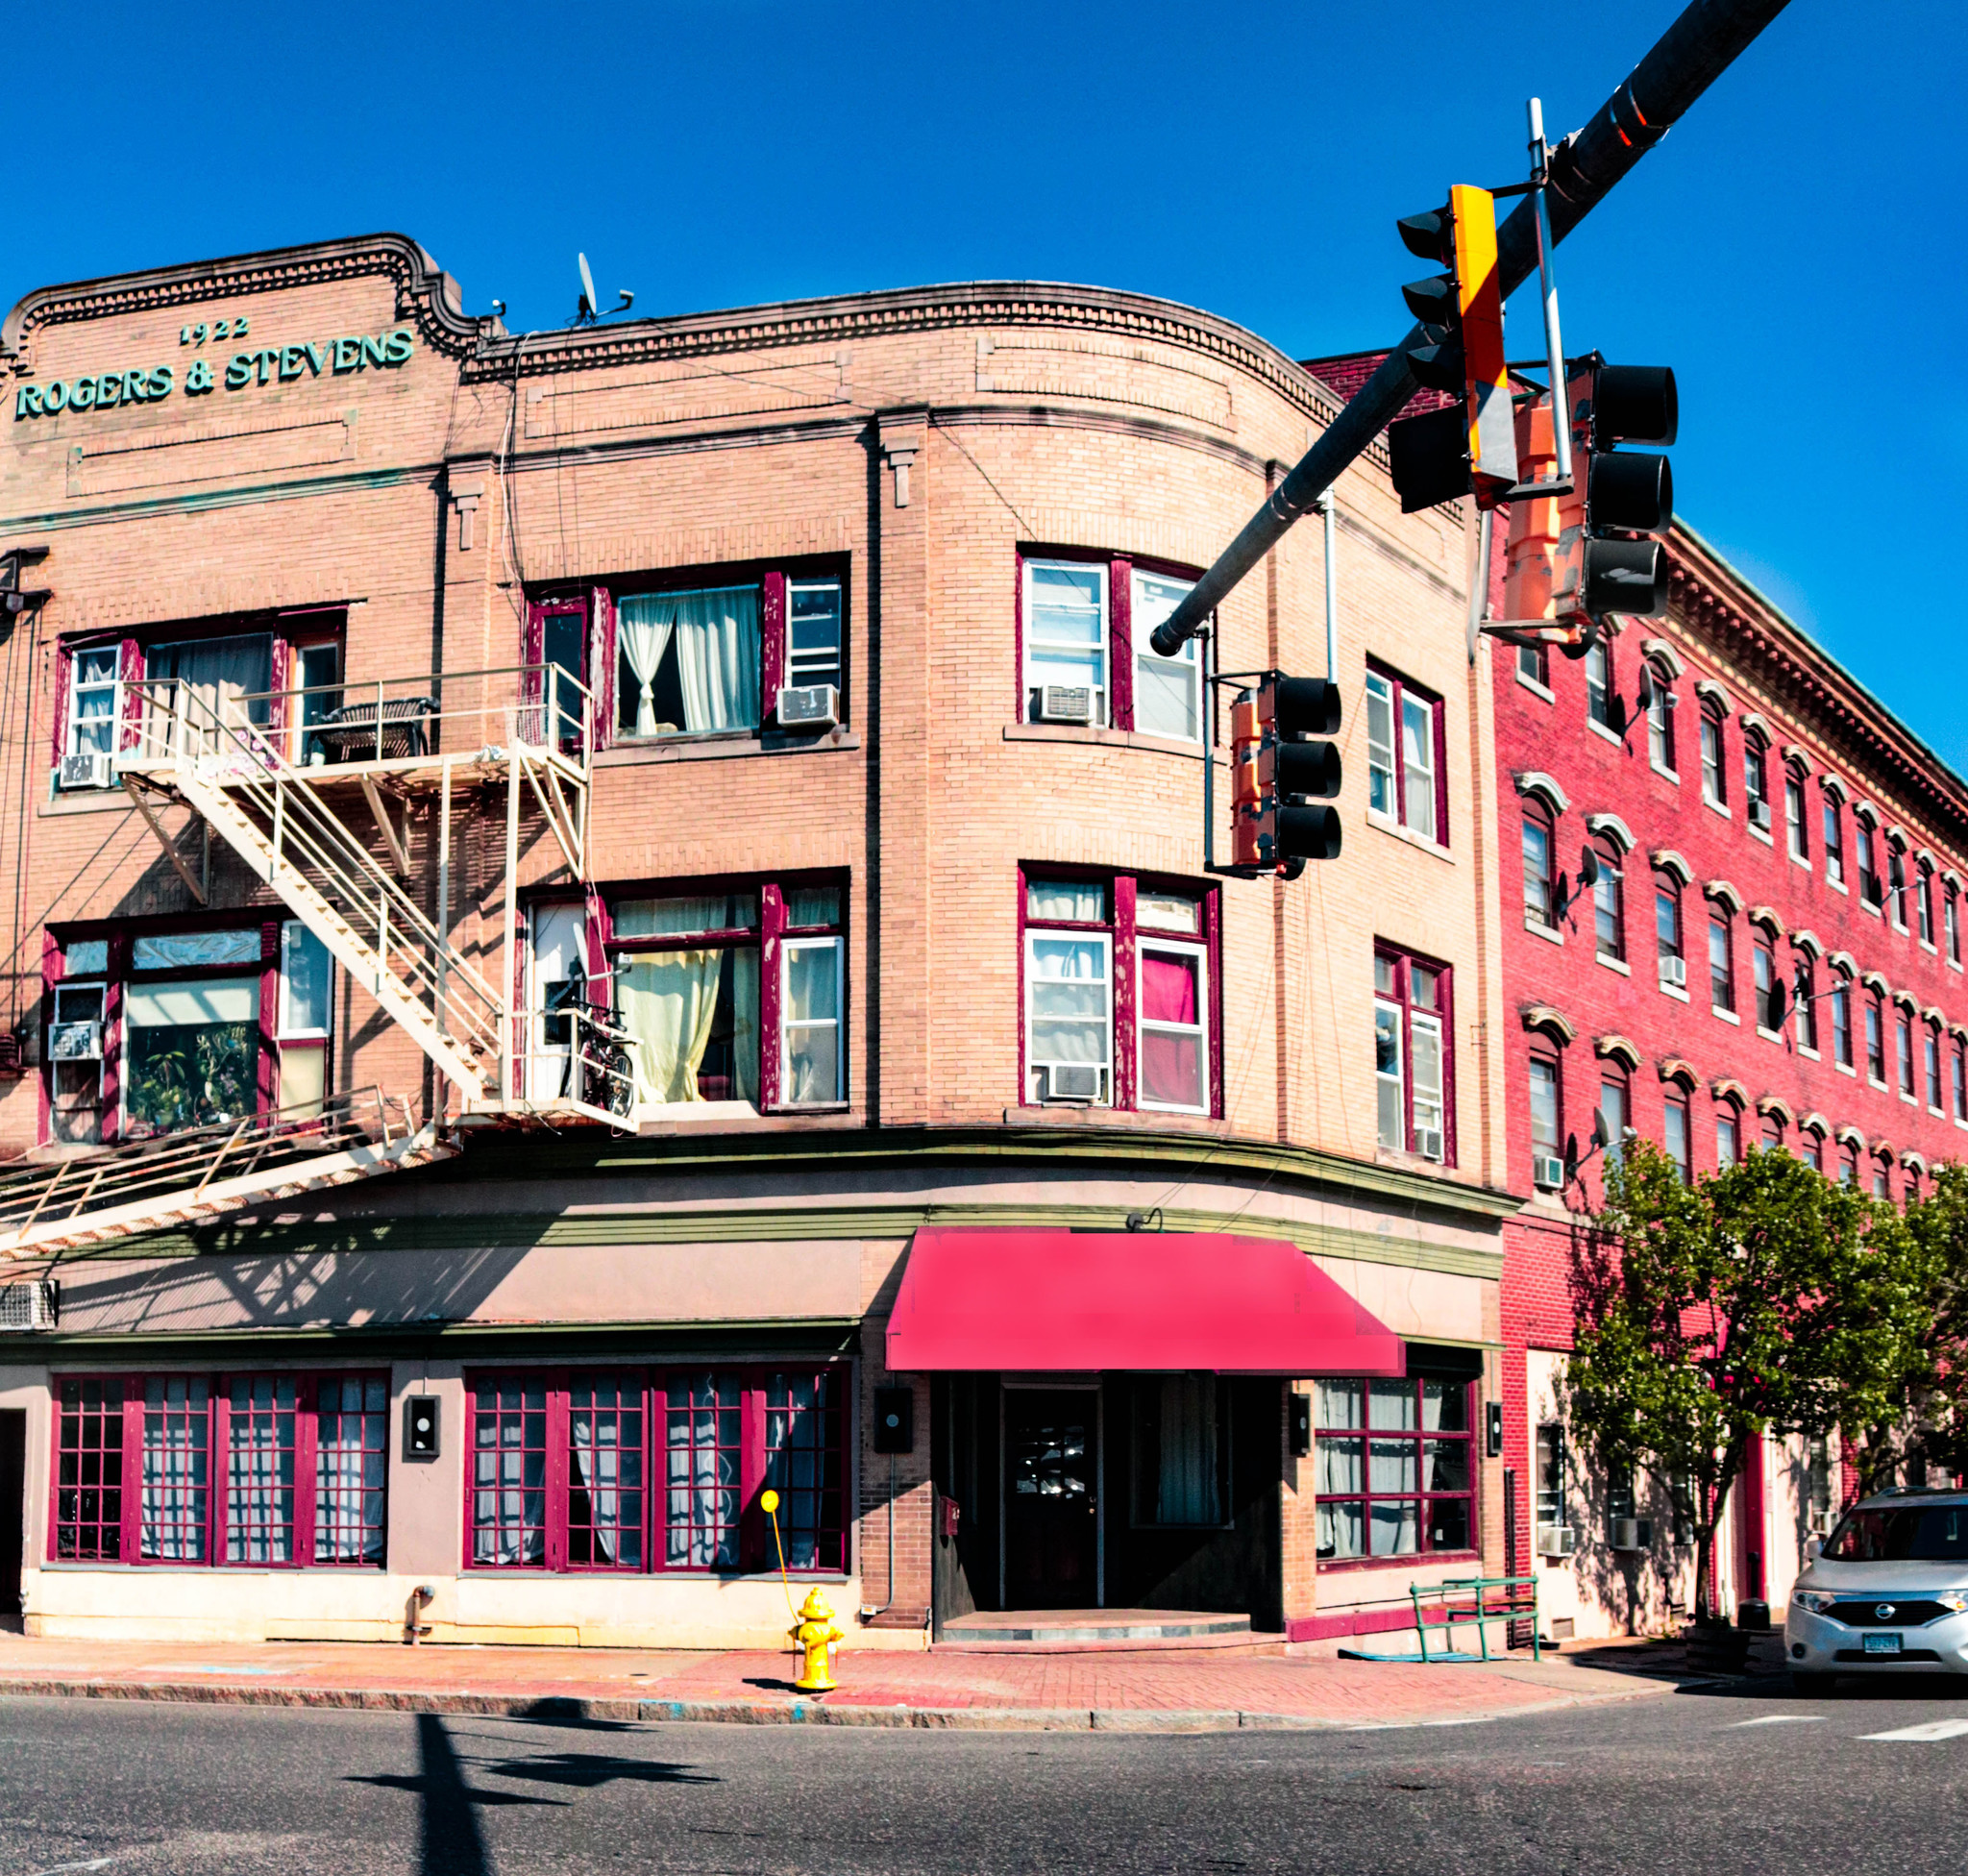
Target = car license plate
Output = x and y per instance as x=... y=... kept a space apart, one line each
x=1883 y=1644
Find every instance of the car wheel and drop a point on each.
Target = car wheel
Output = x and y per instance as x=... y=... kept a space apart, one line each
x=1814 y=1684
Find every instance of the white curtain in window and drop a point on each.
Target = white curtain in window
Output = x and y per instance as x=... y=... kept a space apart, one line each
x=213 y=678
x=668 y=1000
x=597 y=1445
x=644 y=625
x=717 y=657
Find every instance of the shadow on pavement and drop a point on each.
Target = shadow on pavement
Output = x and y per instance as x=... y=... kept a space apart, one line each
x=588 y=1769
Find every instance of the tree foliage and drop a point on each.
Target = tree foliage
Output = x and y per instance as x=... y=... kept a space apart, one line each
x=1762 y=1300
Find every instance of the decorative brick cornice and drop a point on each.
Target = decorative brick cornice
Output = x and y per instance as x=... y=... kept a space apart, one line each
x=424 y=292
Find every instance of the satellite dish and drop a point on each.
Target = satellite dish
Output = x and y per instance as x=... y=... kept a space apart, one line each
x=1643 y=691
x=1588 y=868
x=588 y=303
x=1600 y=1139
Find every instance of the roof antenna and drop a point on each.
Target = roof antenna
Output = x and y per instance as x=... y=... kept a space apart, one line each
x=587 y=312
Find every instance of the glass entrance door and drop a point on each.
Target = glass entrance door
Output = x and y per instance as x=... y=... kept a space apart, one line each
x=1051 y=1510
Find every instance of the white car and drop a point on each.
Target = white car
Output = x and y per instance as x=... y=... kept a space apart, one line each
x=1886 y=1593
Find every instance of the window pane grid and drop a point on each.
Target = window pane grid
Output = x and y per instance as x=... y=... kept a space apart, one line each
x=704 y=1449
x=351 y=1467
x=606 y=1500
x=509 y=1474
x=175 y=1475
x=803 y=1465
x=88 y=1474
x=260 y=1424
x=1397 y=1480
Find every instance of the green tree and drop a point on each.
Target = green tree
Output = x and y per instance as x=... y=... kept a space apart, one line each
x=1762 y=1300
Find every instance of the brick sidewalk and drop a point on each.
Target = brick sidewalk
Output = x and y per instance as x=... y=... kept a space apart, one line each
x=1166 y=1690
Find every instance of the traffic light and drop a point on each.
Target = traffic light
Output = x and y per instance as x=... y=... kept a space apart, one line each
x=1471 y=445
x=1281 y=765
x=1576 y=557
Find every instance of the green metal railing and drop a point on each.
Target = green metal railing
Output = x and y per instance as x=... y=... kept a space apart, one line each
x=1461 y=1600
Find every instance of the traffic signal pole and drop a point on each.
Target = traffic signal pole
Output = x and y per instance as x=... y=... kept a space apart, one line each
x=1695 y=50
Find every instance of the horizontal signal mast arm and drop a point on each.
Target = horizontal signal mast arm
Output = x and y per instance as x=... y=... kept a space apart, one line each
x=1695 y=50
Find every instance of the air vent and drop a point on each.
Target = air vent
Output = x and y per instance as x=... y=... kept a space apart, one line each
x=809 y=706
x=1065 y=704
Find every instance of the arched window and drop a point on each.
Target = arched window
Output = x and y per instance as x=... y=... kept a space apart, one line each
x=1714 y=778
x=1834 y=841
x=1810 y=1144
x=1675 y=1136
x=1533 y=665
x=1903 y=1038
x=1616 y=1107
x=1960 y=1069
x=1896 y=881
x=1728 y=1134
x=1609 y=899
x=1661 y=720
x=1805 y=981
x=1882 y=1176
x=1769 y=997
x=1540 y=908
x=1773 y=1133
x=1756 y=782
x=1931 y=1048
x=1923 y=902
x=1870 y=892
x=1667 y=936
x=1795 y=832
x=1841 y=1020
x=1599 y=706
x=1951 y=922
x=1876 y=1039
x=1547 y=1122
x=1847 y=1166
x=1721 y=961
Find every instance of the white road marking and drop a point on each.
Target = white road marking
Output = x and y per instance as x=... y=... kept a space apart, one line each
x=1778 y=1719
x=101 y=1862
x=1926 y=1730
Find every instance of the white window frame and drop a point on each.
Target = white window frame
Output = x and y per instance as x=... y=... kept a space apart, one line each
x=1388 y=756
x=1199 y=1029
x=72 y=740
x=64 y=988
x=1430 y=1021
x=1714 y=767
x=787 y=946
x=286 y=1031
x=1185 y=661
x=1103 y=692
x=545 y=1067
x=1077 y=935
x=1660 y=728
x=1599 y=683
x=1385 y=1006
x=816 y=665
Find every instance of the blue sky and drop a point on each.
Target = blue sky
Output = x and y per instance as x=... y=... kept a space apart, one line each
x=1787 y=250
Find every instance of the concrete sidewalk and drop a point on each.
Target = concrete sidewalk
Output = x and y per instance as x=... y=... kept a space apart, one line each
x=1160 y=1690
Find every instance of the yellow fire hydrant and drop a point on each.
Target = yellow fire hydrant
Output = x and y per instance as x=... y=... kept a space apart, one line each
x=815 y=1634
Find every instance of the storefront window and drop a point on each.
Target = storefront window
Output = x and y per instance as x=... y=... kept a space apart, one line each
x=1395 y=1468
x=1182 y=1450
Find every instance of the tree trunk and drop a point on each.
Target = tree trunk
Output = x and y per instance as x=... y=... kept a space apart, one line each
x=1705 y=1537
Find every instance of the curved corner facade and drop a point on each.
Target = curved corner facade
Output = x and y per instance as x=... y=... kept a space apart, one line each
x=710 y=778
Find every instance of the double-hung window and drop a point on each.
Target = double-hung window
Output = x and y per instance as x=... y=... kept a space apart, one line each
x=630 y=1470
x=1099 y=950
x=1756 y=784
x=1806 y=1006
x=1870 y=892
x=1405 y=755
x=1547 y=1165
x=1085 y=625
x=708 y=1017
x=1066 y=636
x=256 y=1469
x=1608 y=904
x=1903 y=1038
x=1667 y=931
x=1923 y=903
x=1714 y=781
x=1769 y=997
x=1721 y=963
x=813 y=635
x=1533 y=665
x=1795 y=834
x=1676 y=1136
x=1599 y=683
x=1959 y=1067
x=1841 y=1023
x=1896 y=876
x=1167 y=692
x=1834 y=842
x=1875 y=1040
x=1412 y=1029
x=1660 y=725
x=1396 y=1467
x=1540 y=904
x=1951 y=922
x=1931 y=1041
x=1728 y=1136
x=1614 y=1109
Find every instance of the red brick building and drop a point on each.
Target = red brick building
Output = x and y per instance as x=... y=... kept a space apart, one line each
x=1765 y=826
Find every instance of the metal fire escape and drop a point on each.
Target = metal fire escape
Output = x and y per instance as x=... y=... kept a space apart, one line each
x=230 y=760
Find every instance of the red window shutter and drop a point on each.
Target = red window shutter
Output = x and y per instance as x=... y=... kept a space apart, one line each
x=1212 y=949
x=1120 y=646
x=755 y=1549
x=772 y=923
x=771 y=645
x=130 y=664
x=267 y=1079
x=602 y=664
x=65 y=674
x=1124 y=1034
x=533 y=651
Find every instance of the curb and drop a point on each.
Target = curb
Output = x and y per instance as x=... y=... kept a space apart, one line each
x=759 y=1712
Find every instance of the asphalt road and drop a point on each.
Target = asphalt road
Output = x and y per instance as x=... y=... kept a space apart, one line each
x=1747 y=1779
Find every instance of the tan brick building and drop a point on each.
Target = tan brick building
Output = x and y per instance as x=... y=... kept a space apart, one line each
x=709 y=775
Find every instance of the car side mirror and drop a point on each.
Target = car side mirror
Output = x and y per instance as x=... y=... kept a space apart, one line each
x=1811 y=1548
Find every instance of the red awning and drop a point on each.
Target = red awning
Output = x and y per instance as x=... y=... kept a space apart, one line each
x=1083 y=1301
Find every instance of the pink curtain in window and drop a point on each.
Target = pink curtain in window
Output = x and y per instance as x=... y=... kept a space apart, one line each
x=1171 y=1071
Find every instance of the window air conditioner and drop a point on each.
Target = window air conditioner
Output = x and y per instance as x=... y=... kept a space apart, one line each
x=1674 y=970
x=1547 y=1171
x=1065 y=704
x=90 y=769
x=1428 y=1141
x=1633 y=1534
x=30 y=1305
x=809 y=706
x=1070 y=1081
x=75 y=1042
x=1557 y=1541
x=1759 y=815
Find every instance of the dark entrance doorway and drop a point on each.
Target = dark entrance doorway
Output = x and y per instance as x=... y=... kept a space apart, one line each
x=1051 y=1485
x=13 y=1513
